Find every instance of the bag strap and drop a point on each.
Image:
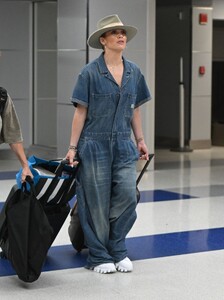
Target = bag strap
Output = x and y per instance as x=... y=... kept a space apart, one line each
x=30 y=181
x=54 y=182
x=3 y=99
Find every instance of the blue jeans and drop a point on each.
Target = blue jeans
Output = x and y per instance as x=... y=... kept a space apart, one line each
x=106 y=194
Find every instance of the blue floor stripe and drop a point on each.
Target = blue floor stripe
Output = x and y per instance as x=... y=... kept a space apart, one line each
x=151 y=196
x=145 y=247
x=162 y=195
x=8 y=175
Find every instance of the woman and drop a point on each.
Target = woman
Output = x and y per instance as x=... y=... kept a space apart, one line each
x=107 y=97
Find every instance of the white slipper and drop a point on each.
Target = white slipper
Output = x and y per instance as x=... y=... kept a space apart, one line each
x=105 y=268
x=124 y=265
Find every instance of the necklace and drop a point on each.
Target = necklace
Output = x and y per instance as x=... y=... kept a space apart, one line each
x=113 y=67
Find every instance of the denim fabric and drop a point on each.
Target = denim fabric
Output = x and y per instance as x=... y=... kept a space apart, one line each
x=106 y=181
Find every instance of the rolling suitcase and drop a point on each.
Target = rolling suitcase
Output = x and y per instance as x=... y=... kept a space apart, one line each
x=55 y=185
x=75 y=230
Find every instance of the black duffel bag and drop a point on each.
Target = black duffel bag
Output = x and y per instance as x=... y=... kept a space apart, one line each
x=25 y=232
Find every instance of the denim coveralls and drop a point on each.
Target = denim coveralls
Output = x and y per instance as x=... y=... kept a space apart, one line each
x=106 y=181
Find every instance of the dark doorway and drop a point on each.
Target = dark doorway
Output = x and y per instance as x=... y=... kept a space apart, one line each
x=218 y=84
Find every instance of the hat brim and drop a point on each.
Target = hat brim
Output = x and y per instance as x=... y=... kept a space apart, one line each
x=94 y=39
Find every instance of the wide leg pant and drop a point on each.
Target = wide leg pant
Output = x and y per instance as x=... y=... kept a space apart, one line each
x=106 y=194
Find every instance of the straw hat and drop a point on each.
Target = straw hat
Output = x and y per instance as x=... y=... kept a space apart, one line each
x=106 y=24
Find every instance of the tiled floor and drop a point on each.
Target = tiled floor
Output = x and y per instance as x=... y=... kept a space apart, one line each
x=176 y=244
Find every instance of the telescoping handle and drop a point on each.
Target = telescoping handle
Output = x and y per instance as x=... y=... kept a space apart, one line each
x=144 y=168
x=62 y=163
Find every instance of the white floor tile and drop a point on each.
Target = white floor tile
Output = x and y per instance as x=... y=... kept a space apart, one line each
x=196 y=276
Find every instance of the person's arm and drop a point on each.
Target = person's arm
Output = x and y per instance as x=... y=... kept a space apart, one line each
x=18 y=149
x=12 y=135
x=138 y=133
x=77 y=126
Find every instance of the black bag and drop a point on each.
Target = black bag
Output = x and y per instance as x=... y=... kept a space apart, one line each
x=57 y=215
x=3 y=225
x=55 y=185
x=61 y=189
x=75 y=231
x=25 y=234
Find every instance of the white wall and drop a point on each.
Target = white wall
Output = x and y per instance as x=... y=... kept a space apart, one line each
x=218 y=9
x=45 y=67
x=34 y=96
x=71 y=58
x=15 y=60
x=201 y=84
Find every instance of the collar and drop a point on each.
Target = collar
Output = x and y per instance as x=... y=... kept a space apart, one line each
x=103 y=68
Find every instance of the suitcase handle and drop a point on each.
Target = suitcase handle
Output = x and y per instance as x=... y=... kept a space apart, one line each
x=64 y=162
x=144 y=168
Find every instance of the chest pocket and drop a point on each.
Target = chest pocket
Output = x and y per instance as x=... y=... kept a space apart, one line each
x=102 y=105
x=129 y=105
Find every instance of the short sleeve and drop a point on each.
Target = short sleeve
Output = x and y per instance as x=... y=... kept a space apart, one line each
x=11 y=130
x=81 y=91
x=143 y=93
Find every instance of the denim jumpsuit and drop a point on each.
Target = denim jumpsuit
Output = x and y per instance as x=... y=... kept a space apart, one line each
x=106 y=181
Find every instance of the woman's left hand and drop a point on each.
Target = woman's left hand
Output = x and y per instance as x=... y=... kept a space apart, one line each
x=143 y=150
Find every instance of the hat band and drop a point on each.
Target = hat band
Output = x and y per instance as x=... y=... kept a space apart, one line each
x=112 y=25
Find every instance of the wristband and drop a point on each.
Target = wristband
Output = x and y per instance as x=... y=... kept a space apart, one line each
x=139 y=140
x=71 y=147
